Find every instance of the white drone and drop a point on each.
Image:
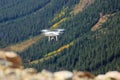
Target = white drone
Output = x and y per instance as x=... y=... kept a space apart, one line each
x=52 y=34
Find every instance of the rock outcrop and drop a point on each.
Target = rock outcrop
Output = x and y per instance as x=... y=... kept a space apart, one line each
x=10 y=59
x=11 y=69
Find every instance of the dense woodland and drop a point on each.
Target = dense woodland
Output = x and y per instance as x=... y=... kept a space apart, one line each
x=97 y=55
x=97 y=51
x=27 y=18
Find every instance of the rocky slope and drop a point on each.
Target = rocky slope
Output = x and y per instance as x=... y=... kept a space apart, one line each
x=11 y=68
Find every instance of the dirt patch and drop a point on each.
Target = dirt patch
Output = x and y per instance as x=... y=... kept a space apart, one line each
x=20 y=47
x=81 y=6
x=102 y=20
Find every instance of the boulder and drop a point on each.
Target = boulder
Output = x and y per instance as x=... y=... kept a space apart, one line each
x=10 y=59
x=63 y=75
x=101 y=77
x=113 y=75
x=83 y=76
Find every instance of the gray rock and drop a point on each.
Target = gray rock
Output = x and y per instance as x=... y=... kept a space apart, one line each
x=63 y=75
x=83 y=76
x=5 y=63
x=30 y=70
x=113 y=75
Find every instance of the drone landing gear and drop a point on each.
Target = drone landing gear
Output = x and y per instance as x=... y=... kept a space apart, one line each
x=52 y=38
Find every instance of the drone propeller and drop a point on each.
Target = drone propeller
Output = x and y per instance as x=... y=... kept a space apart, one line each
x=44 y=30
x=60 y=29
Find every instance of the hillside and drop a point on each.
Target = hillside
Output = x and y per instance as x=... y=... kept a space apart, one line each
x=78 y=8
x=95 y=49
x=30 y=19
x=100 y=22
x=90 y=41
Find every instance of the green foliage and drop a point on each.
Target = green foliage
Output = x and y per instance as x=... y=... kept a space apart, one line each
x=97 y=55
x=21 y=20
x=76 y=26
x=96 y=52
x=89 y=53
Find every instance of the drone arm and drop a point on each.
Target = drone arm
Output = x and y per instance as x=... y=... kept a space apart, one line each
x=49 y=38
x=56 y=38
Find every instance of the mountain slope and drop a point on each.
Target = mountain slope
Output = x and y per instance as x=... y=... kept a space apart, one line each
x=20 y=9
x=100 y=22
x=91 y=53
x=78 y=24
x=31 y=24
x=88 y=47
x=89 y=43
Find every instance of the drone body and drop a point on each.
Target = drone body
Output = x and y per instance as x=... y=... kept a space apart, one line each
x=52 y=34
